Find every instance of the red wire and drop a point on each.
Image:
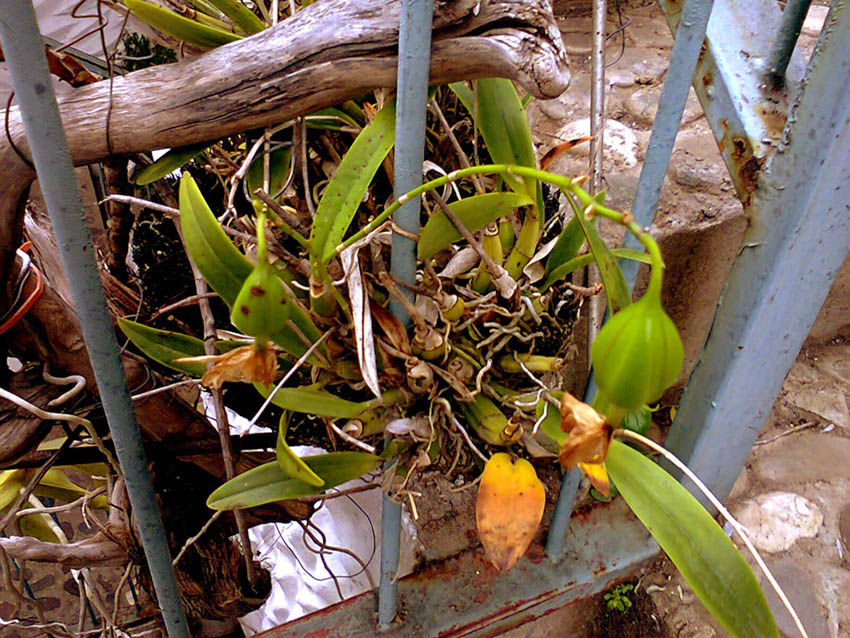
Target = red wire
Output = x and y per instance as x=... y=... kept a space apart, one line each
x=30 y=301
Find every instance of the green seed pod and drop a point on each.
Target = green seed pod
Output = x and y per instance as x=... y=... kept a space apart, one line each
x=638 y=353
x=261 y=307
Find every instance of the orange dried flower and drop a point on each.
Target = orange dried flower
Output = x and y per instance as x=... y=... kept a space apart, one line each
x=587 y=445
x=247 y=364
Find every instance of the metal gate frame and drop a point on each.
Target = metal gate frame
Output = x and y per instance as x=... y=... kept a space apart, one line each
x=786 y=142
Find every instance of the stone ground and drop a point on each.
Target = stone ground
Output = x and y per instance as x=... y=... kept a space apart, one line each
x=794 y=492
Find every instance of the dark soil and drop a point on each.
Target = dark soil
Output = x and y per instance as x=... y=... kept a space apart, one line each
x=641 y=620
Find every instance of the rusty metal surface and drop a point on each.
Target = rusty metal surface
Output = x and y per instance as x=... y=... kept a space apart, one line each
x=746 y=116
x=798 y=238
x=465 y=596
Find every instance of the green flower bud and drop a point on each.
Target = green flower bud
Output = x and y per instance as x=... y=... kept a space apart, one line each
x=638 y=353
x=261 y=306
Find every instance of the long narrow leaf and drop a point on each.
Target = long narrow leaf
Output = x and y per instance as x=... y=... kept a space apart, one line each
x=292 y=464
x=223 y=267
x=585 y=260
x=504 y=127
x=464 y=94
x=269 y=483
x=164 y=346
x=616 y=290
x=475 y=213
x=713 y=567
x=240 y=15
x=178 y=27
x=280 y=165
x=361 y=314
x=568 y=244
x=331 y=118
x=171 y=161
x=312 y=401
x=345 y=191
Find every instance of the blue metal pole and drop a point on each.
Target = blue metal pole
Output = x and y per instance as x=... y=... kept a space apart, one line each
x=680 y=74
x=683 y=61
x=780 y=55
x=797 y=240
x=24 y=52
x=414 y=57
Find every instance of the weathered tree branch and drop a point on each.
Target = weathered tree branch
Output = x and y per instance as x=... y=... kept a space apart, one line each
x=90 y=552
x=332 y=51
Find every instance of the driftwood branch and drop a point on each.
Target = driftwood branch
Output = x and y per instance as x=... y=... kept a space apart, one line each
x=90 y=552
x=330 y=52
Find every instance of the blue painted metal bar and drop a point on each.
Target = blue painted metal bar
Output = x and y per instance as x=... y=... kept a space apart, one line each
x=465 y=597
x=24 y=52
x=390 y=547
x=745 y=115
x=780 y=54
x=690 y=34
x=557 y=535
x=798 y=239
x=414 y=57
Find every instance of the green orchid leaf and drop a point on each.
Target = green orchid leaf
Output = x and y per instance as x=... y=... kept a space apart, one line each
x=504 y=126
x=569 y=242
x=203 y=6
x=616 y=290
x=164 y=346
x=221 y=264
x=292 y=464
x=638 y=420
x=551 y=425
x=309 y=400
x=170 y=162
x=11 y=484
x=332 y=119
x=475 y=213
x=464 y=94
x=269 y=483
x=705 y=556
x=280 y=165
x=240 y=15
x=178 y=27
x=346 y=189
x=225 y=269
x=36 y=527
x=585 y=260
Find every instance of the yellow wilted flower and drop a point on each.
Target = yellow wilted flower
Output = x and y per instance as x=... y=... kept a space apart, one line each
x=587 y=444
x=247 y=364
